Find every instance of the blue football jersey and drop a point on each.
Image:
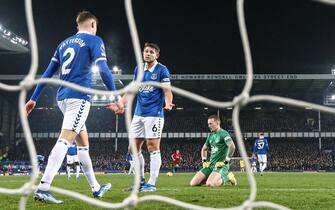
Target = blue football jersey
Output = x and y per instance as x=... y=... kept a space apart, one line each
x=72 y=149
x=75 y=56
x=150 y=99
x=261 y=146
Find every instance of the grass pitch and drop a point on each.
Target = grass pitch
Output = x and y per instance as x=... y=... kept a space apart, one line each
x=294 y=190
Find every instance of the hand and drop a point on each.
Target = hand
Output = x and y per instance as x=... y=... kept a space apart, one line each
x=219 y=164
x=30 y=105
x=120 y=104
x=206 y=164
x=112 y=106
x=117 y=108
x=168 y=107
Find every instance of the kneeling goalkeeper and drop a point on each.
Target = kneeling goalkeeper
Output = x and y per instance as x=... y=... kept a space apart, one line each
x=215 y=172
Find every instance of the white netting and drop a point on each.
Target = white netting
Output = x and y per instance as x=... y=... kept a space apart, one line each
x=131 y=89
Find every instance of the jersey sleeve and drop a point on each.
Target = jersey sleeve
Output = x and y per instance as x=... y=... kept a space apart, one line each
x=254 y=147
x=98 y=52
x=227 y=138
x=106 y=75
x=98 y=55
x=49 y=72
x=55 y=57
x=135 y=74
x=207 y=141
x=165 y=76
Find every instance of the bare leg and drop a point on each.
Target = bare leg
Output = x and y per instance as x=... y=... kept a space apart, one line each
x=214 y=180
x=198 y=179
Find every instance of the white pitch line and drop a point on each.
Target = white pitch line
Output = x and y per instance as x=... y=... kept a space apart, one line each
x=279 y=189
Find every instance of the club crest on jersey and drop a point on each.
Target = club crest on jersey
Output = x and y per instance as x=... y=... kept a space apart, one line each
x=153 y=76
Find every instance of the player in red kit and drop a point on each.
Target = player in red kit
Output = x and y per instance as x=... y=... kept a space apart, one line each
x=176 y=158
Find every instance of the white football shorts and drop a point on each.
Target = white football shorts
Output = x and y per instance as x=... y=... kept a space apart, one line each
x=75 y=113
x=146 y=127
x=70 y=159
x=262 y=158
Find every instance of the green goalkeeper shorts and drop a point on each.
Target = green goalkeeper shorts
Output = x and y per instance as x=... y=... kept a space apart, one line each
x=221 y=170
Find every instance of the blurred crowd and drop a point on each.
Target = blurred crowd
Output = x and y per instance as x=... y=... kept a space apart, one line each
x=286 y=154
x=300 y=154
x=102 y=120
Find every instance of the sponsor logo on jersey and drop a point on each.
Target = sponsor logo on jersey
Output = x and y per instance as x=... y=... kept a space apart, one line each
x=146 y=89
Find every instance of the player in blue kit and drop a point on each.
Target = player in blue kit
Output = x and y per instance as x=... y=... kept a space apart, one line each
x=72 y=160
x=148 y=120
x=261 y=147
x=253 y=164
x=131 y=162
x=74 y=57
x=40 y=160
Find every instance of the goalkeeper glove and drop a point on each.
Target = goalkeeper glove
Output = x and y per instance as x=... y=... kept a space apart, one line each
x=219 y=164
x=206 y=164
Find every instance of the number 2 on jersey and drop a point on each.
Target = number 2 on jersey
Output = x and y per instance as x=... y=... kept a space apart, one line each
x=66 y=63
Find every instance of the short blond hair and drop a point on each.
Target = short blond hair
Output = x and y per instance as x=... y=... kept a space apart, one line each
x=85 y=15
x=214 y=117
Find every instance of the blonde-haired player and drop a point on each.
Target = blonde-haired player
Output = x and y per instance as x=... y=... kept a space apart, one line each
x=215 y=171
x=74 y=57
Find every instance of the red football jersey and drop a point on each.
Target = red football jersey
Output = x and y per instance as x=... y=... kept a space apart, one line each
x=176 y=157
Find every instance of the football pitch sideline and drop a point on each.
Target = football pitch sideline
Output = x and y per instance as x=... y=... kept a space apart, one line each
x=294 y=190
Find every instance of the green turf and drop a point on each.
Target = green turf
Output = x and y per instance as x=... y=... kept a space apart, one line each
x=294 y=190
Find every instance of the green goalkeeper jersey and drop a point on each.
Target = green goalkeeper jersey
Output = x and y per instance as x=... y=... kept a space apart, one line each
x=217 y=142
